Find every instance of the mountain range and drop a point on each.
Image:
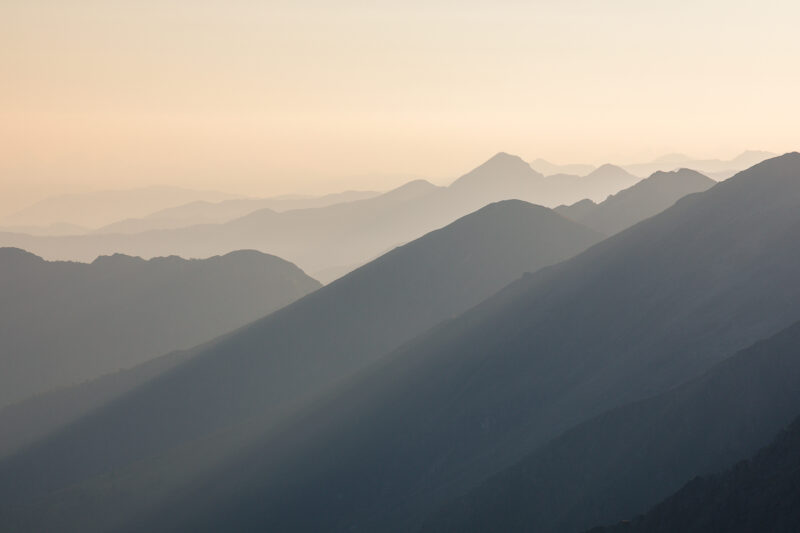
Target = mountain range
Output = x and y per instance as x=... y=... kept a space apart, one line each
x=716 y=168
x=644 y=311
x=270 y=367
x=645 y=199
x=62 y=323
x=329 y=241
x=438 y=388
x=205 y=212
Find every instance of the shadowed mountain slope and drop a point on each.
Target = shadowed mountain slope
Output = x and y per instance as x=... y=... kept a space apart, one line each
x=31 y=419
x=62 y=323
x=262 y=370
x=633 y=316
x=753 y=496
x=634 y=204
x=626 y=460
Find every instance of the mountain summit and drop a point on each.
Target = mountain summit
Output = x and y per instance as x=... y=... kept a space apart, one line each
x=501 y=167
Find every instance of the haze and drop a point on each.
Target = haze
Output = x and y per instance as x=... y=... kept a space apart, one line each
x=275 y=97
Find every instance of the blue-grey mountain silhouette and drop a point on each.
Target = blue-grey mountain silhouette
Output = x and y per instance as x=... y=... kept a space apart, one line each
x=753 y=496
x=266 y=369
x=634 y=316
x=622 y=462
x=62 y=323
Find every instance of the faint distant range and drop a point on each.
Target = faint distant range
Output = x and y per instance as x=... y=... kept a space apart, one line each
x=716 y=168
x=95 y=209
x=332 y=240
x=136 y=210
x=62 y=323
x=205 y=212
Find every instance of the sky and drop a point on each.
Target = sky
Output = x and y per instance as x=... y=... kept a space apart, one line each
x=271 y=97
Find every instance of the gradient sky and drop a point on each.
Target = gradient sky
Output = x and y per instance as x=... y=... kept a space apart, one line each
x=266 y=97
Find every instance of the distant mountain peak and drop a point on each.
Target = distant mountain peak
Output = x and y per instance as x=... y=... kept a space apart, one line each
x=500 y=167
x=116 y=259
x=418 y=184
x=505 y=156
x=681 y=173
x=608 y=170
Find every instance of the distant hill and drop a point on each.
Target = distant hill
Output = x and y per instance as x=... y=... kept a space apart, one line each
x=634 y=204
x=95 y=209
x=62 y=323
x=276 y=363
x=204 y=212
x=753 y=496
x=626 y=460
x=634 y=316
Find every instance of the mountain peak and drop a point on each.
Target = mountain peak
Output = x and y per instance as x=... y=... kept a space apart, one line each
x=608 y=171
x=412 y=189
x=506 y=157
x=10 y=253
x=678 y=174
x=500 y=167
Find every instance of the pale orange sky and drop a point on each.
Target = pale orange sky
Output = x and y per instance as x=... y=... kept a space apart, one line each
x=268 y=97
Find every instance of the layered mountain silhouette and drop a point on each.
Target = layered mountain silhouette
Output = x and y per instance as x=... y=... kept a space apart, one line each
x=624 y=461
x=717 y=168
x=265 y=370
x=204 y=212
x=634 y=204
x=94 y=209
x=596 y=186
x=633 y=316
x=325 y=241
x=63 y=323
x=547 y=168
x=752 y=496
